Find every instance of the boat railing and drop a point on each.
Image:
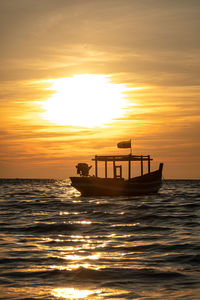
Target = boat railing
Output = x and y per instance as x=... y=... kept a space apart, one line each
x=116 y=158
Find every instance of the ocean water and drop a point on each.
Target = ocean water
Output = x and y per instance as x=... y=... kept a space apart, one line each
x=56 y=244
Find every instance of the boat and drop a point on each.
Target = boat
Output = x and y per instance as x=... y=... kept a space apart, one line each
x=146 y=183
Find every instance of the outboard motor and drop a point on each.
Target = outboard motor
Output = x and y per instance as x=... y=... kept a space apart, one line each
x=83 y=169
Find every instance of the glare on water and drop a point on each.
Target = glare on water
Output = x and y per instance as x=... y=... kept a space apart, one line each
x=53 y=247
x=71 y=293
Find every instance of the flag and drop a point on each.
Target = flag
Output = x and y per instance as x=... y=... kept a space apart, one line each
x=124 y=144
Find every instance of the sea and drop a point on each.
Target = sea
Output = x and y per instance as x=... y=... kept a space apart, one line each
x=55 y=244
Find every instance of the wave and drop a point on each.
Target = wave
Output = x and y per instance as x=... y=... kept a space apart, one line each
x=191 y=259
x=128 y=243
x=43 y=228
x=31 y=260
x=106 y=274
x=50 y=228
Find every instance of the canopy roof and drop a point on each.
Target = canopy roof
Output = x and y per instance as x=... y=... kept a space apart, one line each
x=122 y=157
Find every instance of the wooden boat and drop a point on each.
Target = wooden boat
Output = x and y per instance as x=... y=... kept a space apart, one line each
x=87 y=185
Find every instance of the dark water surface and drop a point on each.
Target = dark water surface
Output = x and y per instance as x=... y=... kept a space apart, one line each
x=58 y=245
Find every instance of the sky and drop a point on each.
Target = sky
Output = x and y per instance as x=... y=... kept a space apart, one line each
x=79 y=76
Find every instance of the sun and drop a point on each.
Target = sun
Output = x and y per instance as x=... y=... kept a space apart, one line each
x=87 y=100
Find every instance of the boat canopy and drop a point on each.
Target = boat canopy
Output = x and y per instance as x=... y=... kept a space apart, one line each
x=115 y=158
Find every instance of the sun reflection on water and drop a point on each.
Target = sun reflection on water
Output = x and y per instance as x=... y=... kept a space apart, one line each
x=74 y=267
x=71 y=293
x=75 y=257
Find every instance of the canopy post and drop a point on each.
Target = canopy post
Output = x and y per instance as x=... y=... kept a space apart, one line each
x=96 y=167
x=141 y=165
x=106 y=172
x=114 y=169
x=129 y=169
x=149 y=164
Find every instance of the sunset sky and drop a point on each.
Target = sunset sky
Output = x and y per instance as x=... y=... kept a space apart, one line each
x=79 y=76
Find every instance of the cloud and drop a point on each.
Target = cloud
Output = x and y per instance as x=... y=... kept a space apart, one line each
x=117 y=36
x=143 y=43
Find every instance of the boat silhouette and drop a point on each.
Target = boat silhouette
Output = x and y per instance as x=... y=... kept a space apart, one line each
x=148 y=183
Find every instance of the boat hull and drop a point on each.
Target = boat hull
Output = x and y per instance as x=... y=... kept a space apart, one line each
x=95 y=186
